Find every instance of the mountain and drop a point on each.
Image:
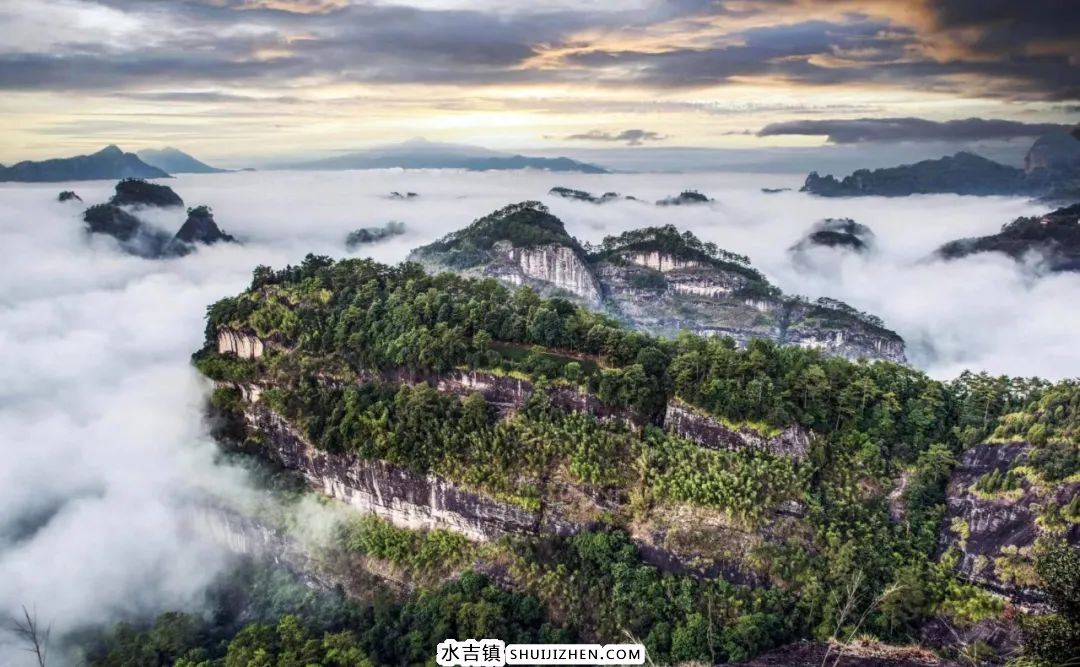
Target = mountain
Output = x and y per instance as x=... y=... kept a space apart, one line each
x=108 y=163
x=1052 y=171
x=137 y=192
x=842 y=233
x=677 y=489
x=657 y=279
x=1055 y=237
x=199 y=229
x=422 y=154
x=175 y=161
x=119 y=219
x=963 y=173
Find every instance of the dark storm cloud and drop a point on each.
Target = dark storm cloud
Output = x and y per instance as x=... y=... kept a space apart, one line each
x=630 y=137
x=850 y=131
x=782 y=50
x=992 y=48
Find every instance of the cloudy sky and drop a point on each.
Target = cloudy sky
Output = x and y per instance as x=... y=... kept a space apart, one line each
x=264 y=78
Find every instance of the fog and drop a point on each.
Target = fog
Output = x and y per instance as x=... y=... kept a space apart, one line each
x=101 y=414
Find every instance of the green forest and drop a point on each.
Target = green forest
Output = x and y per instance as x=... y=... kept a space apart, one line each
x=852 y=572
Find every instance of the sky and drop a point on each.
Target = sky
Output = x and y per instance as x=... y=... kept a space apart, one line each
x=249 y=80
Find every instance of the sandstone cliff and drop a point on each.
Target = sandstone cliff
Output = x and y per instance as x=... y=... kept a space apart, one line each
x=657 y=279
x=995 y=534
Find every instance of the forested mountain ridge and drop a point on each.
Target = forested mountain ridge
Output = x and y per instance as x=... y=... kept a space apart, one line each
x=725 y=549
x=110 y=162
x=1051 y=171
x=657 y=279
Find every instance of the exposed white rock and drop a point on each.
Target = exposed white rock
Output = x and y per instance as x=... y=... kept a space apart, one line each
x=659 y=261
x=245 y=346
x=700 y=288
x=561 y=267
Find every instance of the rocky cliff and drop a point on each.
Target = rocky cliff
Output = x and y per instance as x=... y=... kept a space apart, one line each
x=657 y=279
x=995 y=533
x=405 y=498
x=1051 y=171
x=1052 y=239
x=243 y=345
x=683 y=421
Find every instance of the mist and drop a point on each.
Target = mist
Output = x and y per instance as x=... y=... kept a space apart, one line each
x=101 y=417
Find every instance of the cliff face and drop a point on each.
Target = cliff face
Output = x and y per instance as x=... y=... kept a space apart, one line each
x=553 y=266
x=686 y=295
x=243 y=345
x=995 y=534
x=404 y=498
x=657 y=279
x=1054 y=238
x=681 y=420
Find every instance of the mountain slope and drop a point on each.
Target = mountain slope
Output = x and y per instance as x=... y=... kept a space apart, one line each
x=657 y=279
x=175 y=161
x=1055 y=237
x=108 y=163
x=1051 y=171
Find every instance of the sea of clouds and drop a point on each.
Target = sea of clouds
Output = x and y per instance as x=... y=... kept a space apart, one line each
x=104 y=443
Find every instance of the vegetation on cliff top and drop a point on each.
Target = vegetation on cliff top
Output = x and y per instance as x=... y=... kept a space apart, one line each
x=872 y=420
x=524 y=225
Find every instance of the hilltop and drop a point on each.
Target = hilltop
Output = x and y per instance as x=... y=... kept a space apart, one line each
x=657 y=279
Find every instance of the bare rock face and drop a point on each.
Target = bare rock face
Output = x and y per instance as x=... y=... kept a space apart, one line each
x=662 y=262
x=994 y=535
x=243 y=345
x=681 y=420
x=657 y=279
x=559 y=266
x=405 y=498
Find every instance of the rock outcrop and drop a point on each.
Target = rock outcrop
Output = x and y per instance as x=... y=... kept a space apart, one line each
x=581 y=195
x=684 y=198
x=995 y=533
x=1051 y=171
x=134 y=236
x=366 y=235
x=522 y=244
x=68 y=195
x=1053 y=239
x=243 y=345
x=656 y=279
x=118 y=219
x=199 y=229
x=137 y=192
x=405 y=498
x=682 y=420
x=840 y=233
x=963 y=173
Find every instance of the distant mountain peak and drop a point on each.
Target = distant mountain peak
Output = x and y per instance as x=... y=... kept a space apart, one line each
x=420 y=153
x=108 y=163
x=175 y=161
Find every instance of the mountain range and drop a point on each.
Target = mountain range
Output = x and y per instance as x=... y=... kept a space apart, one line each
x=1051 y=171
x=108 y=163
x=657 y=279
x=423 y=154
